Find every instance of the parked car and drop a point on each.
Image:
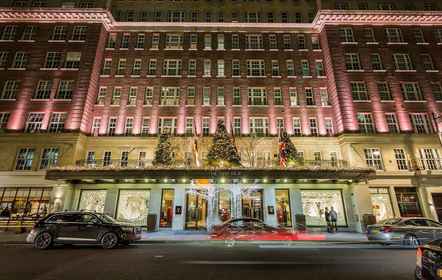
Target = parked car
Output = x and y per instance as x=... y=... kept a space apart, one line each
x=410 y=232
x=254 y=229
x=81 y=227
x=429 y=261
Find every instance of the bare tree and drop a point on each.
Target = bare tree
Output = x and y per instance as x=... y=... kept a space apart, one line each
x=250 y=148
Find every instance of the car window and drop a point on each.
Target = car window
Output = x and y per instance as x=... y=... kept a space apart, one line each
x=416 y=223
x=390 y=221
x=89 y=219
x=433 y=224
x=64 y=218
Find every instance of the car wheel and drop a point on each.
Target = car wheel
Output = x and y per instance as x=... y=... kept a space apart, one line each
x=43 y=241
x=109 y=240
x=411 y=241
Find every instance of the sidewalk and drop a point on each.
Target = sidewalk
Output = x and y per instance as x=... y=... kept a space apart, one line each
x=189 y=236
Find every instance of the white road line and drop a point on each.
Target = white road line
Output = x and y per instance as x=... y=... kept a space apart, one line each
x=248 y=262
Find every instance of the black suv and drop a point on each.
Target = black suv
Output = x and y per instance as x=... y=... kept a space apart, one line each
x=81 y=227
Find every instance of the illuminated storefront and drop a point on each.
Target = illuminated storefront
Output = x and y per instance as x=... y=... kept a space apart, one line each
x=381 y=202
x=314 y=203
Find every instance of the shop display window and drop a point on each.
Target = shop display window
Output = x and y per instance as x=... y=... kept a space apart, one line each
x=166 y=215
x=92 y=200
x=381 y=203
x=314 y=203
x=408 y=202
x=24 y=203
x=283 y=211
x=133 y=206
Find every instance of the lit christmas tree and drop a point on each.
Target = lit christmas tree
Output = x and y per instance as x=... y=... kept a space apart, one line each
x=287 y=151
x=223 y=151
x=163 y=154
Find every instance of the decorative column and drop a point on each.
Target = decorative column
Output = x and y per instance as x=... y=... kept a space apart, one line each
x=376 y=107
x=23 y=99
x=121 y=118
x=402 y=113
x=245 y=126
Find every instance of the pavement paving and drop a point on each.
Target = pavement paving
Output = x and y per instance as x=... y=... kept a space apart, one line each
x=199 y=260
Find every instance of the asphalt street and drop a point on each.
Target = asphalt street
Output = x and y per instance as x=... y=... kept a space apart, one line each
x=197 y=261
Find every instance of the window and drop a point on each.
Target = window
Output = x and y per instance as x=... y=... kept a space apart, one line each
x=384 y=91
x=107 y=67
x=10 y=90
x=394 y=35
x=141 y=38
x=284 y=17
x=252 y=17
x=411 y=91
x=376 y=62
x=96 y=124
x=346 y=35
x=220 y=41
x=136 y=67
x=132 y=98
x=373 y=158
x=172 y=67
x=43 y=90
x=65 y=89
x=220 y=68
x=3 y=59
x=293 y=94
x=319 y=65
x=155 y=41
x=167 y=126
x=125 y=41
x=280 y=126
x=191 y=68
x=191 y=95
x=287 y=41
x=277 y=96
x=79 y=33
x=305 y=68
x=408 y=202
x=56 y=123
x=236 y=96
x=257 y=96
x=273 y=43
x=369 y=35
x=220 y=96
x=4 y=118
x=175 y=16
x=328 y=122
x=359 y=91
x=421 y=123
x=170 y=96
x=401 y=159
x=116 y=96
x=193 y=41
x=392 y=122
x=189 y=126
x=121 y=68
x=28 y=33
x=34 y=122
x=316 y=45
x=324 y=97
x=53 y=60
x=438 y=36
x=403 y=62
x=366 y=124
x=145 y=126
x=419 y=36
x=49 y=158
x=290 y=68
x=174 y=41
x=313 y=123
x=259 y=126
x=255 y=68
x=20 y=60
x=352 y=61
x=235 y=41
x=430 y=159
x=111 y=126
x=236 y=68
x=427 y=62
x=58 y=33
x=297 y=127
x=301 y=42
x=101 y=97
x=128 y=126
x=107 y=158
x=152 y=67
x=124 y=158
x=24 y=160
x=275 y=68
x=207 y=41
x=72 y=60
x=237 y=125
x=206 y=126
x=254 y=41
x=206 y=96
x=207 y=68
x=111 y=41
x=436 y=89
x=309 y=97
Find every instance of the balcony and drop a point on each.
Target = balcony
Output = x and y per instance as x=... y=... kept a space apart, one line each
x=429 y=164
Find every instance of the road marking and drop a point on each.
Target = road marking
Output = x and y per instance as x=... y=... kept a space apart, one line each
x=249 y=262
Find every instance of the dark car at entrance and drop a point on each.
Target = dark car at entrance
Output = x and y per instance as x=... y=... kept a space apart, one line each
x=80 y=228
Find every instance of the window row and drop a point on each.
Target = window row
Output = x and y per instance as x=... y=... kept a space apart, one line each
x=257 y=68
x=212 y=41
x=421 y=123
x=26 y=157
x=44 y=90
x=207 y=96
x=30 y=32
x=53 y=60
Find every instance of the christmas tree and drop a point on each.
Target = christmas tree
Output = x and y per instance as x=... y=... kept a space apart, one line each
x=287 y=151
x=223 y=151
x=163 y=154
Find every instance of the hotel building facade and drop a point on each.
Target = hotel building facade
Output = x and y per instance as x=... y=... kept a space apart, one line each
x=86 y=87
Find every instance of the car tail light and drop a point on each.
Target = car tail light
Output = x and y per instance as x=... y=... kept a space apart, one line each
x=386 y=229
x=419 y=257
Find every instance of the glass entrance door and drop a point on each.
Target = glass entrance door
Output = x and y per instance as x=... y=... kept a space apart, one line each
x=196 y=209
x=252 y=204
x=437 y=202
